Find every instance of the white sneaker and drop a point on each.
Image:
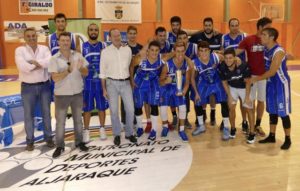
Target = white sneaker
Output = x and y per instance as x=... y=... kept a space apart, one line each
x=102 y=133
x=85 y=136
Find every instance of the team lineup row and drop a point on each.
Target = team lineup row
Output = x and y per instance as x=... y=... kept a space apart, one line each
x=207 y=68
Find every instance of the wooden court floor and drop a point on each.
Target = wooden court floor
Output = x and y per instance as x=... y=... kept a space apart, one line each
x=234 y=165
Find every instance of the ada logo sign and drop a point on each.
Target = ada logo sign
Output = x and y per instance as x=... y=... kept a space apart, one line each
x=148 y=165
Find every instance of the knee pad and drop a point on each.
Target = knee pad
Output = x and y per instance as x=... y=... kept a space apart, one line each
x=164 y=113
x=138 y=111
x=224 y=109
x=154 y=110
x=182 y=112
x=273 y=119
x=286 y=122
x=199 y=110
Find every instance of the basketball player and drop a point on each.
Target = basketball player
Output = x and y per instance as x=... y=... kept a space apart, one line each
x=235 y=76
x=92 y=93
x=169 y=90
x=232 y=40
x=175 y=22
x=208 y=84
x=145 y=84
x=191 y=52
x=214 y=39
x=254 y=49
x=165 y=47
x=278 y=90
x=60 y=21
x=161 y=37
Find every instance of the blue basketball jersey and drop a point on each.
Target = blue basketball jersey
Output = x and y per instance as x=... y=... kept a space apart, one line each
x=172 y=68
x=278 y=86
x=228 y=42
x=282 y=71
x=92 y=52
x=53 y=43
x=167 y=48
x=148 y=73
x=191 y=50
x=208 y=72
x=171 y=38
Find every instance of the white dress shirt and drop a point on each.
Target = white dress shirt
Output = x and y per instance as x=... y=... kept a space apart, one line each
x=73 y=83
x=115 y=62
x=27 y=71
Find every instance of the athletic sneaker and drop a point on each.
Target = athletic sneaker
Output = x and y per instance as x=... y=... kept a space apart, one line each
x=199 y=129
x=164 y=132
x=85 y=136
x=226 y=134
x=175 y=121
x=286 y=145
x=183 y=136
x=139 y=132
x=260 y=131
x=245 y=127
x=232 y=133
x=187 y=124
x=102 y=133
x=251 y=138
x=269 y=139
x=148 y=127
x=152 y=135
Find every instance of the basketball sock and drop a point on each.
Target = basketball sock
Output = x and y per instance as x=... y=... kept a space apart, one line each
x=154 y=120
x=200 y=119
x=139 y=121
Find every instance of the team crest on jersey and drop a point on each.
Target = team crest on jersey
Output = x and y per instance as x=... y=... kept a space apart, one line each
x=86 y=50
x=118 y=12
x=53 y=42
x=227 y=43
x=143 y=65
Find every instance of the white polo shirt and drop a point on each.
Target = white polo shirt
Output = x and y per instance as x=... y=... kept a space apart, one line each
x=73 y=83
x=115 y=62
